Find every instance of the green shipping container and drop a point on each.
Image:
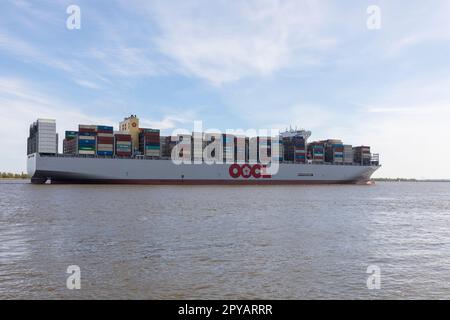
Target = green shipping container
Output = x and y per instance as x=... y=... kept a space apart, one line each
x=71 y=134
x=87 y=148
x=151 y=147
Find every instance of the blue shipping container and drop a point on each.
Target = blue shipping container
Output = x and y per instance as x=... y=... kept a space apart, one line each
x=104 y=153
x=89 y=134
x=86 y=143
x=105 y=128
x=92 y=141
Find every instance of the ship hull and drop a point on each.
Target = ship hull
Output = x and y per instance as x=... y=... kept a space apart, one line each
x=78 y=170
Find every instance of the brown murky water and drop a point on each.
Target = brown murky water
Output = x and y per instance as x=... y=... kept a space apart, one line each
x=293 y=242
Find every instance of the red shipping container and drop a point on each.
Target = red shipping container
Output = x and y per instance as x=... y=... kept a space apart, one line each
x=123 y=154
x=152 y=139
x=105 y=140
x=86 y=130
x=123 y=137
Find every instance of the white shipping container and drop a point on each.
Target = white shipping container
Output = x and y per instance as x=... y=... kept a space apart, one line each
x=152 y=153
x=86 y=152
x=86 y=138
x=83 y=126
x=123 y=143
x=104 y=145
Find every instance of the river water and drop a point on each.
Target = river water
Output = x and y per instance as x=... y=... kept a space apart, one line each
x=225 y=242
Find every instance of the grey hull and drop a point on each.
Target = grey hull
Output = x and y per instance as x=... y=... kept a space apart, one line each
x=63 y=169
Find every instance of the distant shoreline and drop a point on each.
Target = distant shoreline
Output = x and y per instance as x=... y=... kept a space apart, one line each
x=24 y=176
x=13 y=176
x=409 y=180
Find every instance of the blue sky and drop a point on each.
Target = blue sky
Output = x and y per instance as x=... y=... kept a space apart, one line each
x=235 y=64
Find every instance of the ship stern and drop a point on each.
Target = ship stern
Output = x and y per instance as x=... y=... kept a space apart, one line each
x=32 y=163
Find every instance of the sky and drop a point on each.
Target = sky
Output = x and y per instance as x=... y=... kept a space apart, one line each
x=257 y=64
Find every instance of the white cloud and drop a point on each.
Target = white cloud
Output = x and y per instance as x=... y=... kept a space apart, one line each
x=223 y=43
x=213 y=41
x=409 y=128
x=20 y=105
x=411 y=146
x=168 y=122
x=87 y=84
x=126 y=61
x=407 y=24
x=29 y=53
x=440 y=110
x=412 y=140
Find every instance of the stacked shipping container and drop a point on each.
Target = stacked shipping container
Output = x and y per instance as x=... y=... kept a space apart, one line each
x=105 y=141
x=362 y=155
x=70 y=142
x=215 y=146
x=240 y=150
x=264 y=149
x=87 y=139
x=184 y=140
x=166 y=146
x=334 y=151
x=288 y=149
x=71 y=135
x=337 y=153
x=348 y=154
x=293 y=147
x=299 y=149
x=253 y=149
x=228 y=148
x=149 y=143
x=316 y=152
x=277 y=142
x=123 y=145
x=197 y=146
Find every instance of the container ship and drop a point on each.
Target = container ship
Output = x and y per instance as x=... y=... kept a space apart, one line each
x=96 y=154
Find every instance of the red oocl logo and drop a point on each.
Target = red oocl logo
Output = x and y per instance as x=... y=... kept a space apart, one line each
x=247 y=171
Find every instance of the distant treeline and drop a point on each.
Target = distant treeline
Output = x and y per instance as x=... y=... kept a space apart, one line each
x=10 y=175
x=409 y=180
x=394 y=179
